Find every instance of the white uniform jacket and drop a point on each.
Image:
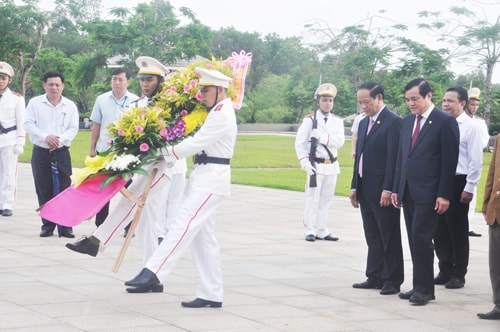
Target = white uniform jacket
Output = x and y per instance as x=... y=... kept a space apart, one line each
x=332 y=136
x=12 y=110
x=216 y=137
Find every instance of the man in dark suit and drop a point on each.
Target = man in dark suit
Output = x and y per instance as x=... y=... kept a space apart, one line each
x=374 y=168
x=423 y=184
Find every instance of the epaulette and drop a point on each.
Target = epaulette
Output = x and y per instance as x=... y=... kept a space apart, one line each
x=16 y=93
x=218 y=108
x=478 y=117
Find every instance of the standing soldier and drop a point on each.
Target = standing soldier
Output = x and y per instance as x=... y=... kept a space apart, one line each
x=12 y=108
x=328 y=131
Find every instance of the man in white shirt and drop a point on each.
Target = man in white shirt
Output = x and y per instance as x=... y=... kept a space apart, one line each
x=452 y=236
x=52 y=124
x=471 y=110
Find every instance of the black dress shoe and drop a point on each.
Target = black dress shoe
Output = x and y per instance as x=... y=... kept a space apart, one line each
x=441 y=279
x=6 y=213
x=455 y=283
x=493 y=314
x=85 y=246
x=421 y=299
x=67 y=232
x=46 y=232
x=472 y=233
x=389 y=290
x=154 y=288
x=368 y=284
x=310 y=238
x=406 y=295
x=328 y=238
x=144 y=282
x=200 y=303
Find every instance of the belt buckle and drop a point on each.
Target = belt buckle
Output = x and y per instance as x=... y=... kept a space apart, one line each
x=327 y=161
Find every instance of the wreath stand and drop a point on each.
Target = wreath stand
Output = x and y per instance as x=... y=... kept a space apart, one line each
x=140 y=204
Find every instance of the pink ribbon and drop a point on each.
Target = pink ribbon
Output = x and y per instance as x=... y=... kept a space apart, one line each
x=239 y=63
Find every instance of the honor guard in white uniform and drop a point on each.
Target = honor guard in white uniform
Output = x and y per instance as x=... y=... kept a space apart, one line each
x=12 y=138
x=208 y=184
x=152 y=214
x=328 y=131
x=152 y=74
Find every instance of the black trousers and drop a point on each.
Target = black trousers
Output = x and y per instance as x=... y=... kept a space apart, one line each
x=452 y=235
x=41 y=161
x=384 y=262
x=421 y=222
x=104 y=212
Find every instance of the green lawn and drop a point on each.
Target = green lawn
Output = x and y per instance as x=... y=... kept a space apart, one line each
x=262 y=160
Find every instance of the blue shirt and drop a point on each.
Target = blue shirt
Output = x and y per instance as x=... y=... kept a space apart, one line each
x=108 y=109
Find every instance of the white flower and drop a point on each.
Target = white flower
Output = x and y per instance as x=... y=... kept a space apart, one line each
x=123 y=163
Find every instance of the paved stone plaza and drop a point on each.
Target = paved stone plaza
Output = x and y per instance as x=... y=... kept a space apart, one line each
x=274 y=280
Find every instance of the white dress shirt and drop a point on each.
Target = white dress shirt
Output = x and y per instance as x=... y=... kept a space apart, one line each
x=470 y=155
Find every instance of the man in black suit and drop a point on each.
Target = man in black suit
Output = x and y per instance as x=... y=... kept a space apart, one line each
x=372 y=181
x=423 y=184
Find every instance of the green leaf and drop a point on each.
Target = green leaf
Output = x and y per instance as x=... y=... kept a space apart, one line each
x=108 y=180
x=140 y=171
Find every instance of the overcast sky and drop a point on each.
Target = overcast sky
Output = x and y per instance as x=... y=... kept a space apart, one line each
x=287 y=18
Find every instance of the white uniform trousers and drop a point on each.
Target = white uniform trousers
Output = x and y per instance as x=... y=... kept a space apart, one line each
x=125 y=209
x=174 y=192
x=193 y=228
x=8 y=174
x=318 y=201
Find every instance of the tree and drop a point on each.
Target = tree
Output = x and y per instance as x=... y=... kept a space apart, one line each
x=22 y=31
x=470 y=37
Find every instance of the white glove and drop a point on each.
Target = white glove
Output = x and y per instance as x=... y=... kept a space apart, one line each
x=310 y=170
x=18 y=149
x=315 y=134
x=169 y=157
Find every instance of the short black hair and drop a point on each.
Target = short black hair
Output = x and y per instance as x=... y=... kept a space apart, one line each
x=51 y=74
x=374 y=88
x=423 y=86
x=119 y=70
x=461 y=92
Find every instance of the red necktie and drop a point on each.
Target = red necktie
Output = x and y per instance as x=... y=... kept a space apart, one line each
x=370 y=125
x=416 y=131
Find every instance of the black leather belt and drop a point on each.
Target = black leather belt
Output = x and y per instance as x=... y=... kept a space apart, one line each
x=6 y=130
x=325 y=161
x=204 y=159
x=62 y=148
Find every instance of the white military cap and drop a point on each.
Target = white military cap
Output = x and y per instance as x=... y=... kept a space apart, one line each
x=326 y=89
x=474 y=93
x=149 y=66
x=6 y=69
x=212 y=78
